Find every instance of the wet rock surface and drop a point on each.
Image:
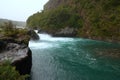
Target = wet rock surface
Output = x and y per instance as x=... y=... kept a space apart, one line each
x=66 y=32
x=18 y=53
x=33 y=35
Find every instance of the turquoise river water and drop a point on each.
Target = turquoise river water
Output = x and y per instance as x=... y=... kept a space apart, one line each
x=74 y=59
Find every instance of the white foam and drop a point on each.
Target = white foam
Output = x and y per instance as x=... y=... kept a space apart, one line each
x=47 y=37
x=47 y=41
x=41 y=45
x=44 y=36
x=36 y=31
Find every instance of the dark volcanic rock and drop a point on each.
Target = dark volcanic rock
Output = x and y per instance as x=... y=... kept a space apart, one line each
x=19 y=55
x=33 y=35
x=66 y=32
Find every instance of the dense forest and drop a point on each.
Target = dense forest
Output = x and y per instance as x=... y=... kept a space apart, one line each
x=96 y=19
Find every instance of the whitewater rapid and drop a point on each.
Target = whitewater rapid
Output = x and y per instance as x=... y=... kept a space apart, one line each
x=63 y=58
x=47 y=41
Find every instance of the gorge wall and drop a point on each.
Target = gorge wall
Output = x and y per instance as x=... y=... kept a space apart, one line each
x=96 y=19
x=52 y=4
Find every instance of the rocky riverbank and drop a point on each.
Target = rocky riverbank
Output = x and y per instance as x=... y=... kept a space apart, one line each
x=17 y=51
x=14 y=47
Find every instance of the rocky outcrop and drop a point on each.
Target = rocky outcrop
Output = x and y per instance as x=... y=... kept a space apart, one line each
x=33 y=35
x=51 y=4
x=24 y=64
x=18 y=53
x=66 y=32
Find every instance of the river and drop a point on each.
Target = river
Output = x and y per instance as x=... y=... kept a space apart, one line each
x=74 y=59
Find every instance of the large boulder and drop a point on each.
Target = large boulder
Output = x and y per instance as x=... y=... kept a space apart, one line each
x=33 y=35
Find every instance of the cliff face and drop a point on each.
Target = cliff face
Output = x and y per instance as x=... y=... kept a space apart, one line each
x=100 y=17
x=52 y=4
x=23 y=64
x=96 y=19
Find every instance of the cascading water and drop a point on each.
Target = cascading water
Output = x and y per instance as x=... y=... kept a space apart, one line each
x=58 y=58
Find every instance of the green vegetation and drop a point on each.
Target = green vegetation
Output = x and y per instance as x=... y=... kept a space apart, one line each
x=8 y=72
x=95 y=19
x=17 y=23
x=8 y=30
x=53 y=20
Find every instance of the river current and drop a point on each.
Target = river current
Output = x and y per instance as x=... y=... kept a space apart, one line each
x=59 y=58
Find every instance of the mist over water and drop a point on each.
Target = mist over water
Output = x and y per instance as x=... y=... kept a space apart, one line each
x=59 y=58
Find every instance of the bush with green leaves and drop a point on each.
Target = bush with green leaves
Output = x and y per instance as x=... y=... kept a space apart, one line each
x=53 y=20
x=8 y=72
x=8 y=30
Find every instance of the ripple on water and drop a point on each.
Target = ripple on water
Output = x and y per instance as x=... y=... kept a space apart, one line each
x=74 y=59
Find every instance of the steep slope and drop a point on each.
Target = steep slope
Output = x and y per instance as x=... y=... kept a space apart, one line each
x=96 y=19
x=52 y=4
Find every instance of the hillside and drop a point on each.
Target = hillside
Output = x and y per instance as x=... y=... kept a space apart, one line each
x=52 y=4
x=96 y=19
x=17 y=23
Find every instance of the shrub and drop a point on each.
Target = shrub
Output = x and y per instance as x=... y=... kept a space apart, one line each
x=8 y=72
x=8 y=29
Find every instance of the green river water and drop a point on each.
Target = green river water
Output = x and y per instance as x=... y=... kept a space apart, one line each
x=74 y=59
